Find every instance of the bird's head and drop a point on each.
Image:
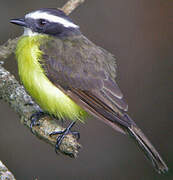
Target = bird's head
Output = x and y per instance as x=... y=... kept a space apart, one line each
x=47 y=21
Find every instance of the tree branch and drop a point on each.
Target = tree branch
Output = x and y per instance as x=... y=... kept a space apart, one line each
x=71 y=5
x=8 y=48
x=5 y=173
x=14 y=94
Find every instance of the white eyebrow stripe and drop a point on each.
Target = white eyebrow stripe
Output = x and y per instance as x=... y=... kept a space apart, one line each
x=51 y=18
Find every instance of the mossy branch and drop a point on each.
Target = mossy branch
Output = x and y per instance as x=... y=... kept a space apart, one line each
x=5 y=173
x=14 y=94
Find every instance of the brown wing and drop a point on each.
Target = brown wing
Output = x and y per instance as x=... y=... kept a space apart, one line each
x=86 y=73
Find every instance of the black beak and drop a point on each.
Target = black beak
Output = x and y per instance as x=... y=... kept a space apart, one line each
x=20 y=22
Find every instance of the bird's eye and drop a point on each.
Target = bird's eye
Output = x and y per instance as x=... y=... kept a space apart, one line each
x=42 y=22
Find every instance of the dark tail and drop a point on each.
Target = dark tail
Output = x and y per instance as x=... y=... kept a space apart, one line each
x=147 y=147
x=118 y=120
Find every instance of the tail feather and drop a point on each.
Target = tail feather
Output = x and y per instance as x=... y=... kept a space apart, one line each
x=148 y=148
x=130 y=128
x=100 y=105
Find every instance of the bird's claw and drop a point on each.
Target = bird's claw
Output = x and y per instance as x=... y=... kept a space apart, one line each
x=62 y=134
x=35 y=118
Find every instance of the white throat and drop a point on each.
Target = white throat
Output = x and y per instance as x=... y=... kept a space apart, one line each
x=29 y=32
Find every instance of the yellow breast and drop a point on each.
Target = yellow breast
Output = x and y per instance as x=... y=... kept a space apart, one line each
x=47 y=95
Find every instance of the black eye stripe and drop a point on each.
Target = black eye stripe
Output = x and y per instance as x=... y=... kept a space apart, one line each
x=46 y=26
x=42 y=22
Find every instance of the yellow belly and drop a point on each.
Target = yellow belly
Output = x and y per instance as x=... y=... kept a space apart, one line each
x=48 y=96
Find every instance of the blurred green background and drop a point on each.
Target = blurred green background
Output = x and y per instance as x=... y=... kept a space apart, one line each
x=139 y=33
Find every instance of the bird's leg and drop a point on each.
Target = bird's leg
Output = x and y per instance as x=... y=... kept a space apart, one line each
x=35 y=118
x=63 y=133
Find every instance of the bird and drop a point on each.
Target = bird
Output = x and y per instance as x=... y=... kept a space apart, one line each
x=70 y=77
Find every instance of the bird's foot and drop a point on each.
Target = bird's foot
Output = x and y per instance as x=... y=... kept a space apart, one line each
x=35 y=118
x=63 y=133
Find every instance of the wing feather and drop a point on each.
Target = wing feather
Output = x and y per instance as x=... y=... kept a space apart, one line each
x=87 y=74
